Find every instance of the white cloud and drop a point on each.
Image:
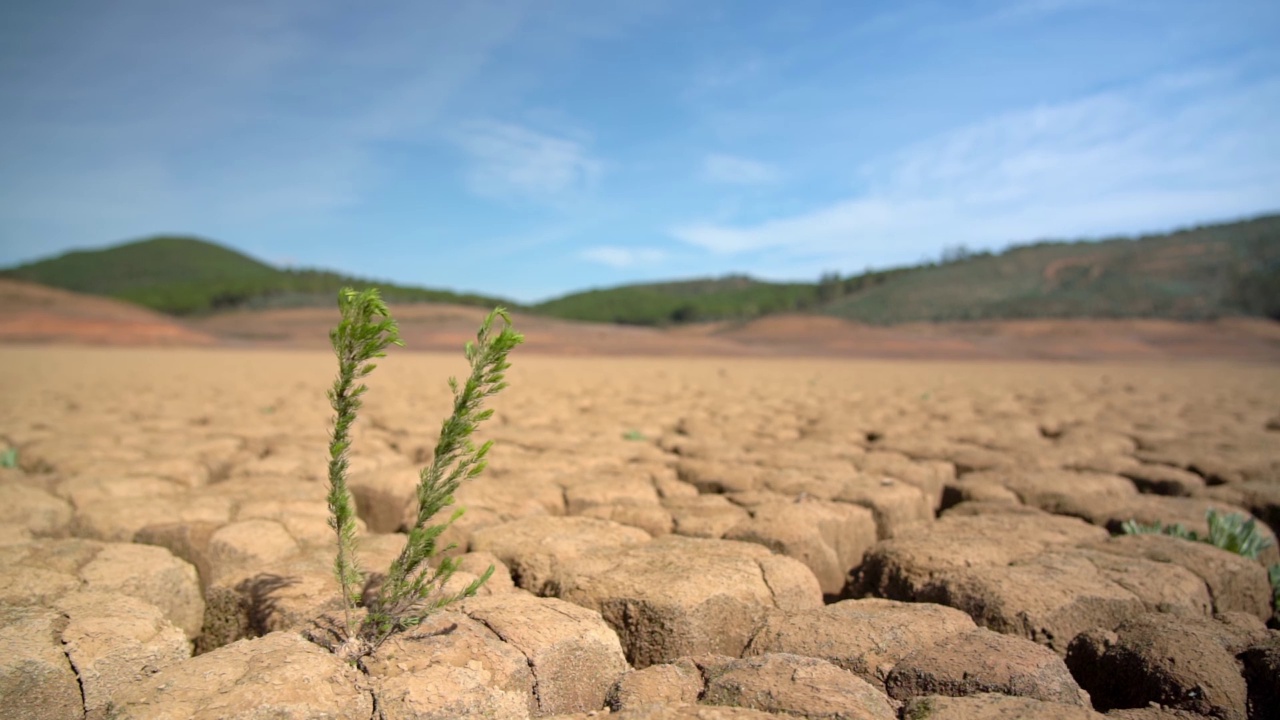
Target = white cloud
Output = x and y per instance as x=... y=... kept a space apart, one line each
x=1144 y=158
x=510 y=160
x=733 y=170
x=623 y=257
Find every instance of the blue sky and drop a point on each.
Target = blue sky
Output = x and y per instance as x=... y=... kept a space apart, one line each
x=528 y=149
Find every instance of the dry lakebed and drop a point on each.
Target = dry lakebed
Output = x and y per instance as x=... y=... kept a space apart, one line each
x=673 y=538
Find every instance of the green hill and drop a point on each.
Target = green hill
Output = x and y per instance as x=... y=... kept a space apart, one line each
x=1198 y=273
x=183 y=276
x=1193 y=274
x=734 y=296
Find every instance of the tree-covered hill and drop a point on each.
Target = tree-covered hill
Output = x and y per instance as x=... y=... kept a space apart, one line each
x=1196 y=273
x=184 y=275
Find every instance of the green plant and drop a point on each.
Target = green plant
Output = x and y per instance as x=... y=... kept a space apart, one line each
x=9 y=458
x=1231 y=532
x=412 y=589
x=633 y=435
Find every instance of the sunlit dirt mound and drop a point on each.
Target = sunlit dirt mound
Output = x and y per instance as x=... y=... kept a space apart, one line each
x=40 y=314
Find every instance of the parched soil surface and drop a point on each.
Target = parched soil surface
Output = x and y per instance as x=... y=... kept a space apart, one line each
x=716 y=537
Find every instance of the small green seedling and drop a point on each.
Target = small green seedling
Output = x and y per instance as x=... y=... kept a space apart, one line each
x=413 y=589
x=634 y=435
x=9 y=458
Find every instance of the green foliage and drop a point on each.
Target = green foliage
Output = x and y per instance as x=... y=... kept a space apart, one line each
x=1195 y=274
x=1230 y=532
x=9 y=458
x=185 y=276
x=634 y=435
x=728 y=298
x=412 y=589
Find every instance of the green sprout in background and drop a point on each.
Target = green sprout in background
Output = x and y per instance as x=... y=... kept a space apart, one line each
x=9 y=458
x=413 y=590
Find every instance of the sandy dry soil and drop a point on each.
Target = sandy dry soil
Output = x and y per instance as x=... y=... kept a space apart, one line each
x=674 y=537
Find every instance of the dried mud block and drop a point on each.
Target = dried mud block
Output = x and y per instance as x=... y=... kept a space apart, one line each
x=37 y=681
x=1177 y=662
x=580 y=496
x=829 y=538
x=902 y=568
x=249 y=543
x=672 y=487
x=253 y=601
x=866 y=637
x=898 y=507
x=1163 y=479
x=1234 y=583
x=653 y=519
x=119 y=520
x=152 y=574
x=1049 y=598
x=712 y=477
x=1224 y=459
x=678 y=596
x=993 y=707
x=41 y=571
x=382 y=493
x=965 y=458
x=491 y=501
x=808 y=480
x=114 y=641
x=186 y=540
x=794 y=685
x=958 y=492
x=306 y=521
x=931 y=476
x=574 y=656
x=541 y=551
x=451 y=666
x=477 y=563
x=280 y=675
x=704 y=516
x=1162 y=587
x=33 y=511
x=983 y=661
x=1061 y=491
x=679 y=682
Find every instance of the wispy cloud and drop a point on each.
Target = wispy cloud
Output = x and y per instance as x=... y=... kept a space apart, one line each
x=623 y=257
x=733 y=170
x=1173 y=150
x=509 y=160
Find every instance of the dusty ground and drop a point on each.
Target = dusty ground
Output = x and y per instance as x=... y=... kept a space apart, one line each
x=33 y=313
x=675 y=537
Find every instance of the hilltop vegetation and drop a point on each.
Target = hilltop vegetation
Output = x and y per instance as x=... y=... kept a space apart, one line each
x=186 y=276
x=1194 y=274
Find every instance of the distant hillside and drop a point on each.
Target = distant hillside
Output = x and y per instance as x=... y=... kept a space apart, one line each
x=681 y=302
x=1193 y=274
x=185 y=276
x=1198 y=273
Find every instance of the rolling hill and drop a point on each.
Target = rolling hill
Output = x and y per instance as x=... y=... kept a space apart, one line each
x=1221 y=270
x=188 y=276
x=1199 y=273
